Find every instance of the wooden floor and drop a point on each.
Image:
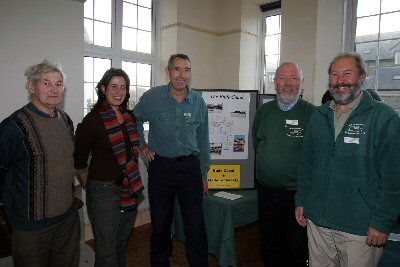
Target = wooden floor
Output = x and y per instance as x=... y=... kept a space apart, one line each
x=247 y=246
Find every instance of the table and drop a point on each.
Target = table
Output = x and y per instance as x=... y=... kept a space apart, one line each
x=221 y=216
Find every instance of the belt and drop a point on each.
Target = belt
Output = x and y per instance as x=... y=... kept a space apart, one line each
x=177 y=159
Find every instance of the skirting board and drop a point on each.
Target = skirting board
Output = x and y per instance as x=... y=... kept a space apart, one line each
x=142 y=217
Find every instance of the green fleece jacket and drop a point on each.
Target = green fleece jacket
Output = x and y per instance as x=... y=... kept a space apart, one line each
x=354 y=182
x=278 y=138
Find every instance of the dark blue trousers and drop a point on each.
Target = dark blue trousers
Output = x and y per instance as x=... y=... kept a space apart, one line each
x=169 y=179
x=283 y=241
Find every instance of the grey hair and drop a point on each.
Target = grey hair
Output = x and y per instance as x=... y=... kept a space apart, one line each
x=33 y=73
x=357 y=57
x=291 y=62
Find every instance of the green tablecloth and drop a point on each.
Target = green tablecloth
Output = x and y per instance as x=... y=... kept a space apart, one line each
x=221 y=217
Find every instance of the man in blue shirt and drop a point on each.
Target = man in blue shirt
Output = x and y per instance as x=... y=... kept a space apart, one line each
x=178 y=152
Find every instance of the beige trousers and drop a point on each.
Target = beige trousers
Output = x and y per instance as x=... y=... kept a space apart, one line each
x=332 y=248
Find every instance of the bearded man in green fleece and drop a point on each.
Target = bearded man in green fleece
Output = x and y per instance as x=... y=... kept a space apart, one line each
x=348 y=191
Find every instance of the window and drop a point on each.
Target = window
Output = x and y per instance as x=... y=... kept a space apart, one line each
x=271 y=45
x=120 y=34
x=376 y=35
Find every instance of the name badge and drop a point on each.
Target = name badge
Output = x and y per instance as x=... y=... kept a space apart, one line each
x=351 y=140
x=187 y=114
x=292 y=122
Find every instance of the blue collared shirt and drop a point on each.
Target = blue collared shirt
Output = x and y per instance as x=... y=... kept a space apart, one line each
x=176 y=129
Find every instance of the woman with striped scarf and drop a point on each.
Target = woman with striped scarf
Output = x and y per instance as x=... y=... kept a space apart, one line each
x=109 y=137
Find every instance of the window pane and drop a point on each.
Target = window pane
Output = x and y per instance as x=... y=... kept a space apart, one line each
x=88 y=31
x=131 y=1
x=272 y=45
x=140 y=91
x=271 y=63
x=269 y=83
x=140 y=77
x=386 y=83
x=271 y=52
x=144 y=19
x=144 y=42
x=368 y=50
x=367 y=7
x=136 y=92
x=143 y=74
x=94 y=69
x=367 y=29
x=129 y=39
x=88 y=9
x=145 y=3
x=386 y=55
x=88 y=69
x=102 y=34
x=130 y=69
x=273 y=25
x=133 y=98
x=390 y=23
x=390 y=5
x=129 y=15
x=100 y=65
x=89 y=95
x=102 y=10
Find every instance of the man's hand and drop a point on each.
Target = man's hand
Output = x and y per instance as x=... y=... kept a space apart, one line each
x=376 y=238
x=205 y=187
x=82 y=178
x=299 y=214
x=148 y=154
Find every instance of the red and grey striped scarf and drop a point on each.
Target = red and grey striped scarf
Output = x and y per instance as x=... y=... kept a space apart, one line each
x=132 y=183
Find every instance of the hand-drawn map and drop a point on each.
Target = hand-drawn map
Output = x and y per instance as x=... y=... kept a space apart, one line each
x=228 y=117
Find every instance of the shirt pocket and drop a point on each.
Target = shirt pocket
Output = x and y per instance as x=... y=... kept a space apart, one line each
x=163 y=123
x=192 y=123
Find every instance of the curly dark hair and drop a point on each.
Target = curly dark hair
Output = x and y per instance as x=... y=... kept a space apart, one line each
x=105 y=80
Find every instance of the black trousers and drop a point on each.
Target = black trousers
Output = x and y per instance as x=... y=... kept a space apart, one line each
x=283 y=241
x=169 y=179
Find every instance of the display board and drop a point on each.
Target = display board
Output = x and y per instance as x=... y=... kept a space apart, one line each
x=230 y=117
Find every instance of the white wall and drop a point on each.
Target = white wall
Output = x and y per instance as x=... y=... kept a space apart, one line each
x=328 y=43
x=250 y=22
x=31 y=31
x=220 y=37
x=312 y=34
